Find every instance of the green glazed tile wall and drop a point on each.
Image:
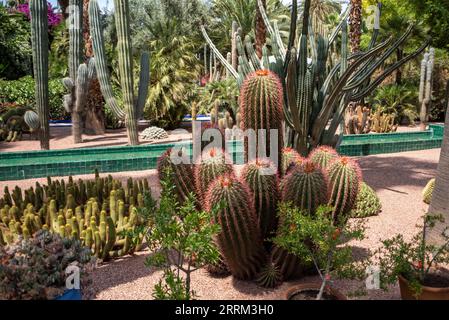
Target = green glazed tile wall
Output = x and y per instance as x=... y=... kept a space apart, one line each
x=36 y=164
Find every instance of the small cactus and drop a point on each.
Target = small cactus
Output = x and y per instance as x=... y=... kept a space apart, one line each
x=427 y=193
x=305 y=187
x=290 y=158
x=323 y=156
x=240 y=241
x=31 y=118
x=345 y=178
x=262 y=179
x=154 y=133
x=270 y=276
x=214 y=163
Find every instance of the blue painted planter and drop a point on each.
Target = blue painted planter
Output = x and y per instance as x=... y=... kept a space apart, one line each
x=71 y=295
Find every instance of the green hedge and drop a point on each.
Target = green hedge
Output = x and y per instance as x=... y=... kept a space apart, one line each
x=21 y=92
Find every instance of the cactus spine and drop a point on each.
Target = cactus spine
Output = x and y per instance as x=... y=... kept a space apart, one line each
x=261 y=108
x=344 y=185
x=39 y=40
x=133 y=107
x=240 y=240
x=262 y=179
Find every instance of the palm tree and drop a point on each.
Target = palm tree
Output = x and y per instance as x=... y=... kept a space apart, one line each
x=355 y=25
x=323 y=10
x=440 y=199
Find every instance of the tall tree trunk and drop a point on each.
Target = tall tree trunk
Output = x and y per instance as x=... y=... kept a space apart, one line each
x=261 y=30
x=355 y=25
x=94 y=117
x=440 y=199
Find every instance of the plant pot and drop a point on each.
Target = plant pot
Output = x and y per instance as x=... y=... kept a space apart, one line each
x=428 y=293
x=333 y=293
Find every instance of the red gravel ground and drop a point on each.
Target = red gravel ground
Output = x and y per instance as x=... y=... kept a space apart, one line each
x=398 y=180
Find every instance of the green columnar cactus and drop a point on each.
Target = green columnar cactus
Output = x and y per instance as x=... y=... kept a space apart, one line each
x=290 y=159
x=425 y=86
x=262 y=179
x=182 y=175
x=133 y=107
x=240 y=240
x=308 y=108
x=39 y=40
x=261 y=109
x=305 y=187
x=214 y=163
x=345 y=180
x=323 y=156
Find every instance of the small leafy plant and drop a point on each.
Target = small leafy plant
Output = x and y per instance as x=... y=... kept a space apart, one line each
x=318 y=238
x=416 y=260
x=182 y=241
x=34 y=269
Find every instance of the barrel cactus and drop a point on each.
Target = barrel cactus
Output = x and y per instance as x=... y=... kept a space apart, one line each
x=290 y=158
x=182 y=175
x=154 y=133
x=270 y=276
x=261 y=107
x=368 y=203
x=323 y=156
x=214 y=163
x=345 y=178
x=305 y=187
x=289 y=265
x=262 y=179
x=240 y=240
x=428 y=191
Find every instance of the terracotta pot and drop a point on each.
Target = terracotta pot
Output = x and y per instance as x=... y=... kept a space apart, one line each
x=428 y=293
x=315 y=287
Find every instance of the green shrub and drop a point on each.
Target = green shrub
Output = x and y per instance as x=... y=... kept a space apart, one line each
x=22 y=93
x=367 y=204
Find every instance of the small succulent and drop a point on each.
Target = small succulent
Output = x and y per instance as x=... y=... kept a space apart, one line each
x=367 y=204
x=427 y=193
x=154 y=133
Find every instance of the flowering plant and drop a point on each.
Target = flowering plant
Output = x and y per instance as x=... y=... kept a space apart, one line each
x=54 y=18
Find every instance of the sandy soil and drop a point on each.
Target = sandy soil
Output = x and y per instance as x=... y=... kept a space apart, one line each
x=397 y=178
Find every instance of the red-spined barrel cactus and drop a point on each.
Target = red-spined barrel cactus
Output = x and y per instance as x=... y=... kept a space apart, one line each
x=262 y=179
x=289 y=265
x=290 y=159
x=305 y=187
x=240 y=240
x=182 y=174
x=345 y=178
x=261 y=100
x=323 y=156
x=214 y=163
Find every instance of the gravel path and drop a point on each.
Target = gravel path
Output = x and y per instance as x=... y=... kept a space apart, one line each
x=397 y=178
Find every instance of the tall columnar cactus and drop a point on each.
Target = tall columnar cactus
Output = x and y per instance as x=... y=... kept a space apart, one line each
x=240 y=240
x=261 y=109
x=133 y=107
x=39 y=40
x=305 y=187
x=214 y=163
x=182 y=174
x=262 y=179
x=290 y=159
x=323 y=156
x=317 y=86
x=425 y=86
x=345 y=178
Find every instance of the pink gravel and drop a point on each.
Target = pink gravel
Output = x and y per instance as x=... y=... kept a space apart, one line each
x=398 y=180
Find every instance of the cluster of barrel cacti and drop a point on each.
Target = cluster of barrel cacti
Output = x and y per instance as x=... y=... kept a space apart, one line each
x=248 y=215
x=102 y=213
x=16 y=121
x=319 y=77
